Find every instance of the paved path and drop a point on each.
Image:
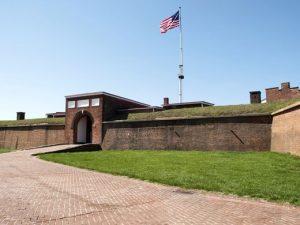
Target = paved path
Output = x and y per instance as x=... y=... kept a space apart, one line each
x=33 y=191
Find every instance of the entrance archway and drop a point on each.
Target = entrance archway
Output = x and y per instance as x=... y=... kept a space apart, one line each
x=84 y=130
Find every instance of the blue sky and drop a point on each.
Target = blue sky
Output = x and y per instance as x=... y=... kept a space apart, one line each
x=53 y=48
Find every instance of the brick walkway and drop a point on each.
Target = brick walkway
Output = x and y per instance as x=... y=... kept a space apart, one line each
x=33 y=191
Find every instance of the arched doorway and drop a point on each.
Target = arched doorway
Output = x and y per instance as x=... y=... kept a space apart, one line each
x=84 y=130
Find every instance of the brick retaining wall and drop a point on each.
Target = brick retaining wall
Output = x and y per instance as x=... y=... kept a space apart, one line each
x=20 y=137
x=237 y=133
x=286 y=130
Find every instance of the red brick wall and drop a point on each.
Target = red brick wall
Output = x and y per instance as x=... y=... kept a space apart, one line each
x=285 y=93
x=95 y=112
x=286 y=131
x=20 y=137
x=111 y=105
x=221 y=133
x=108 y=108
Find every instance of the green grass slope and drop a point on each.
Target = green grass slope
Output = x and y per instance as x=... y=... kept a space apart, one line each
x=229 y=110
x=32 y=121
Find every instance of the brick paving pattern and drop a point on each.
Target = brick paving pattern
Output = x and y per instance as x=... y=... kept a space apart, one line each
x=33 y=191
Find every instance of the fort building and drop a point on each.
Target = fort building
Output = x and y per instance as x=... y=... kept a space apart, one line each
x=86 y=112
x=103 y=119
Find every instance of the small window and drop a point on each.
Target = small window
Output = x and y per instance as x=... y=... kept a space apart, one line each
x=71 y=104
x=83 y=103
x=95 y=101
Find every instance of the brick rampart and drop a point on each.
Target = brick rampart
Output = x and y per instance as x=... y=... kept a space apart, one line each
x=237 y=133
x=286 y=130
x=20 y=137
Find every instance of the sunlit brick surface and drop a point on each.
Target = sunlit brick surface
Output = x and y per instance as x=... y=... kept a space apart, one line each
x=33 y=191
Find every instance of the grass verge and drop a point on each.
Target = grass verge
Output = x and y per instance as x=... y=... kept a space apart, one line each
x=32 y=121
x=3 y=150
x=266 y=175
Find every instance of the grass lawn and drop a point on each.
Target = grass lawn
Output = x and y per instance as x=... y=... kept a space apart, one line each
x=267 y=175
x=5 y=150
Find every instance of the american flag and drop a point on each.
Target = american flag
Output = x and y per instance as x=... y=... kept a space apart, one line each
x=170 y=23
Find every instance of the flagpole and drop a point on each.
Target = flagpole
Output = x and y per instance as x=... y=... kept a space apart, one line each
x=180 y=75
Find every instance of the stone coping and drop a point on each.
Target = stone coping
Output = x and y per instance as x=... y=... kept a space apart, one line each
x=290 y=107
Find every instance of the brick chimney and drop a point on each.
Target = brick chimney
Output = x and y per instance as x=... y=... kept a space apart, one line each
x=166 y=101
x=285 y=85
x=20 y=115
x=255 y=97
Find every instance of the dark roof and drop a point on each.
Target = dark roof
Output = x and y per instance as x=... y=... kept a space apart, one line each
x=187 y=105
x=140 y=110
x=56 y=114
x=105 y=94
x=272 y=88
x=194 y=103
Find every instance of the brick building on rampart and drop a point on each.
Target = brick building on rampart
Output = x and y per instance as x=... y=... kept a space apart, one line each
x=286 y=92
x=274 y=94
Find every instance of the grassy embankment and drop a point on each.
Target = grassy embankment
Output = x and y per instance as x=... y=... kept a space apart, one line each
x=228 y=110
x=266 y=175
x=32 y=121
